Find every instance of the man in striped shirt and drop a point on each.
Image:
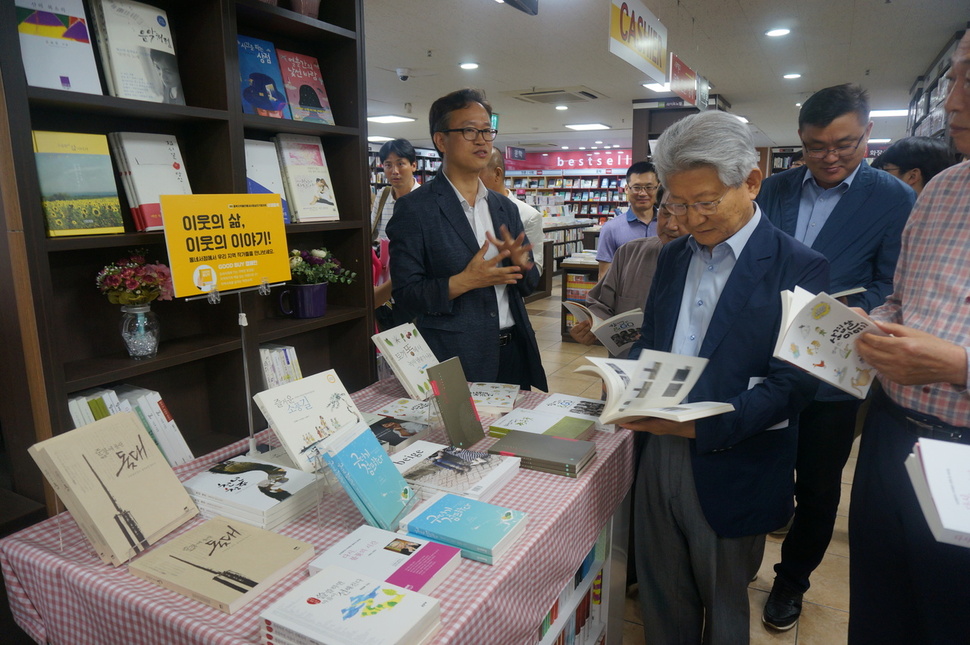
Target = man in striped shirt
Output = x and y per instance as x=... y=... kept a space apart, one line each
x=904 y=586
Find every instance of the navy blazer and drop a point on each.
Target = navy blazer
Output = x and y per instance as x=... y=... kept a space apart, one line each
x=861 y=238
x=743 y=471
x=432 y=240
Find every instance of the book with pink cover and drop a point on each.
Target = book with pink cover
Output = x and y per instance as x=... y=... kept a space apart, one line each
x=304 y=87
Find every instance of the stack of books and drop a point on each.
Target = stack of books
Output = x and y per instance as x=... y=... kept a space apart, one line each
x=484 y=532
x=150 y=166
x=254 y=491
x=546 y=453
x=306 y=178
x=396 y=434
x=575 y=406
x=549 y=423
x=280 y=364
x=433 y=468
x=494 y=398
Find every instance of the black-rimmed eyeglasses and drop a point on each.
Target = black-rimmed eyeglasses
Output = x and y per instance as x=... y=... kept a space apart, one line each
x=470 y=134
x=842 y=151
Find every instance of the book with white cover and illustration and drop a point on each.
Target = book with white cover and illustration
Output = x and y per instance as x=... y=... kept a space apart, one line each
x=940 y=473
x=407 y=410
x=117 y=485
x=340 y=607
x=409 y=356
x=575 y=406
x=151 y=166
x=55 y=44
x=494 y=398
x=222 y=563
x=306 y=178
x=555 y=424
x=617 y=333
x=395 y=434
x=433 y=467
x=263 y=174
x=409 y=562
x=818 y=335
x=654 y=385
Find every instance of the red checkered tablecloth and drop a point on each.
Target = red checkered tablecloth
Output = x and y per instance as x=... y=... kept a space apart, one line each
x=60 y=592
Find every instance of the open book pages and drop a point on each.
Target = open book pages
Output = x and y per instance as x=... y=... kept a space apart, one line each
x=617 y=333
x=654 y=385
x=940 y=472
x=818 y=334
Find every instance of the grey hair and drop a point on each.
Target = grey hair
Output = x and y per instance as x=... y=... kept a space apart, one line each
x=714 y=139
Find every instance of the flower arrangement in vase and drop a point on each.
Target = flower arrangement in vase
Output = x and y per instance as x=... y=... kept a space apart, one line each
x=134 y=283
x=311 y=272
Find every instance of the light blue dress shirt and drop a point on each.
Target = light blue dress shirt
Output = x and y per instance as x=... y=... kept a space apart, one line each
x=816 y=205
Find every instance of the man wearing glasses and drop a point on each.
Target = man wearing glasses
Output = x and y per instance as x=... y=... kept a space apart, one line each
x=460 y=259
x=854 y=216
x=641 y=192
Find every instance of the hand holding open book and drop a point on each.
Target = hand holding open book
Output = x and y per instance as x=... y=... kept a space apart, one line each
x=617 y=333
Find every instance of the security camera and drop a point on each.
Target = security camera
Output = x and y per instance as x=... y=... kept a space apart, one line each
x=403 y=73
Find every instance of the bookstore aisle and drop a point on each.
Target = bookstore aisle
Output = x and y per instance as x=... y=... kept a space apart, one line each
x=825 y=615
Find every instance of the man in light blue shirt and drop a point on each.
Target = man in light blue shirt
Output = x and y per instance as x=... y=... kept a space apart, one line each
x=641 y=192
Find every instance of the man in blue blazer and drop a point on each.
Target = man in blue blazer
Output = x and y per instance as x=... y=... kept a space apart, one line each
x=460 y=260
x=854 y=216
x=707 y=491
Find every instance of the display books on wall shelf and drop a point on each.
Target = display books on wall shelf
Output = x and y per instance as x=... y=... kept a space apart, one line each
x=409 y=356
x=940 y=473
x=575 y=406
x=340 y=607
x=395 y=434
x=137 y=51
x=222 y=563
x=117 y=485
x=617 y=333
x=280 y=364
x=260 y=81
x=408 y=562
x=151 y=165
x=484 y=532
x=554 y=424
x=78 y=192
x=263 y=172
x=432 y=468
x=304 y=88
x=306 y=178
x=545 y=453
x=494 y=398
x=651 y=386
x=407 y=410
x=56 y=46
x=454 y=402
x=818 y=335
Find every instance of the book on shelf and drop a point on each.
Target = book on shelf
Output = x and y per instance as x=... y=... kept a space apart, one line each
x=340 y=607
x=280 y=364
x=117 y=485
x=151 y=165
x=455 y=405
x=575 y=406
x=409 y=356
x=306 y=178
x=818 y=335
x=653 y=385
x=222 y=563
x=260 y=80
x=494 y=398
x=78 y=192
x=408 y=562
x=137 y=51
x=940 y=473
x=554 y=424
x=484 y=532
x=545 y=453
x=158 y=420
x=617 y=333
x=407 y=410
x=55 y=45
x=395 y=434
x=432 y=467
x=304 y=88
x=263 y=172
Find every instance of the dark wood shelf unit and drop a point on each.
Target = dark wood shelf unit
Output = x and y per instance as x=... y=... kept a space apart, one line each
x=61 y=335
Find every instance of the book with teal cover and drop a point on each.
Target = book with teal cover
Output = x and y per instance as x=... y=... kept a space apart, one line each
x=371 y=478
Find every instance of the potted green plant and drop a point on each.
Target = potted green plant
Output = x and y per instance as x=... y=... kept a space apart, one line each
x=312 y=271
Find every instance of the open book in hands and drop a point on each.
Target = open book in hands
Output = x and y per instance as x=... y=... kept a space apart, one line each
x=651 y=386
x=818 y=334
x=617 y=333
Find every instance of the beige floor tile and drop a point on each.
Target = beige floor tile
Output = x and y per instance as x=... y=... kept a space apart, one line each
x=766 y=572
x=822 y=626
x=567 y=385
x=555 y=355
x=633 y=634
x=546 y=347
x=844 y=501
x=594 y=391
x=761 y=635
x=855 y=447
x=574 y=348
x=631 y=610
x=596 y=350
x=830 y=583
x=849 y=471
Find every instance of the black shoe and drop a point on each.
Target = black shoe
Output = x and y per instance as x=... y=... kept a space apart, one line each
x=783 y=608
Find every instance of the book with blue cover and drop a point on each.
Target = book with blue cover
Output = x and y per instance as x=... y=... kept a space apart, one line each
x=260 y=80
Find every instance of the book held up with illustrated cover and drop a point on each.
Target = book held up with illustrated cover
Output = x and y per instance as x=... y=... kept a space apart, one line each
x=306 y=178
x=116 y=484
x=304 y=88
x=260 y=81
x=940 y=473
x=222 y=563
x=55 y=44
x=409 y=356
x=654 y=385
x=617 y=333
x=455 y=405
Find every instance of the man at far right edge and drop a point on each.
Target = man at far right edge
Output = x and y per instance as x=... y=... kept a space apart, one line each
x=854 y=216
x=904 y=586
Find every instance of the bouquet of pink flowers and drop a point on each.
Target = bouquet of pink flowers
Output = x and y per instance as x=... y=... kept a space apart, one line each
x=133 y=281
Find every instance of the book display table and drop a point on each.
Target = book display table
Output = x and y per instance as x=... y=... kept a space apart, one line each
x=60 y=592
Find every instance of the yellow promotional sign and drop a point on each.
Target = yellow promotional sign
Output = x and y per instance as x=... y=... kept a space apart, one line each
x=224 y=242
x=638 y=37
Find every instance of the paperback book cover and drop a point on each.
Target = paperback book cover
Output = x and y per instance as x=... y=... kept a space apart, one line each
x=494 y=398
x=575 y=406
x=152 y=166
x=407 y=562
x=454 y=401
x=260 y=81
x=396 y=434
x=116 y=484
x=223 y=563
x=407 y=410
x=77 y=184
x=550 y=423
x=250 y=484
x=306 y=178
x=409 y=356
x=940 y=473
x=304 y=88
x=263 y=172
x=546 y=453
x=433 y=467
x=55 y=44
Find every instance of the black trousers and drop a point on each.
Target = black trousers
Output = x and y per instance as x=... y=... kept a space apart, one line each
x=825 y=434
x=513 y=365
x=904 y=586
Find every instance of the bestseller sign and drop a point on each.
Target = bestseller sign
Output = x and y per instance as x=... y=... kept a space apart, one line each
x=224 y=242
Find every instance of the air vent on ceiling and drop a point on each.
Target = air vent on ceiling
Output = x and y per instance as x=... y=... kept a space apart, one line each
x=579 y=94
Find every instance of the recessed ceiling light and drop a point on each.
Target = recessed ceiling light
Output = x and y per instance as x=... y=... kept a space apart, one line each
x=775 y=33
x=594 y=148
x=565 y=147
x=793 y=75
x=582 y=147
x=888 y=113
x=469 y=65
x=545 y=154
x=657 y=87
x=598 y=142
x=879 y=140
x=390 y=118
x=586 y=126
x=562 y=107
x=378 y=139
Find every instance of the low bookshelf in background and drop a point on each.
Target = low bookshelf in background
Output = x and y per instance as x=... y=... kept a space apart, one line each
x=577 y=280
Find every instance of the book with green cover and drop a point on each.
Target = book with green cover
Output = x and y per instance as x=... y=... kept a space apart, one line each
x=454 y=401
x=549 y=423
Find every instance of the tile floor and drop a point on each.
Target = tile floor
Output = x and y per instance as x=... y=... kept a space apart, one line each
x=825 y=613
